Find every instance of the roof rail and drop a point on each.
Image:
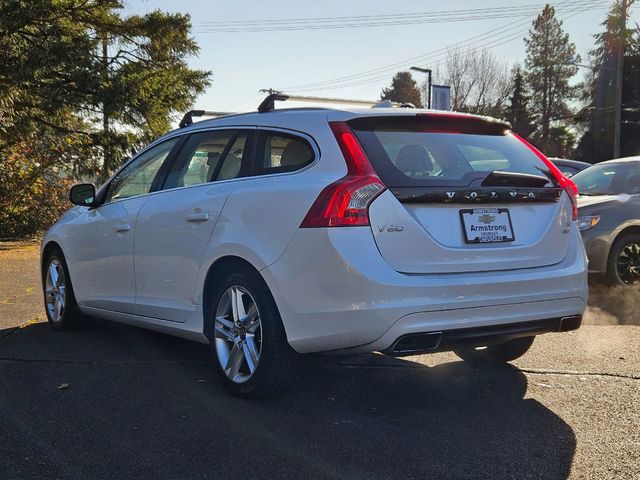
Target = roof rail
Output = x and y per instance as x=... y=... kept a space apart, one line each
x=268 y=104
x=188 y=117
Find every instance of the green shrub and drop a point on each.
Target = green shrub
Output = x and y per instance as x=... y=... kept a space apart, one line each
x=32 y=198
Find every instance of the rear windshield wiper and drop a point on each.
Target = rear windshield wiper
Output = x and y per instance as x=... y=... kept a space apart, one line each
x=499 y=178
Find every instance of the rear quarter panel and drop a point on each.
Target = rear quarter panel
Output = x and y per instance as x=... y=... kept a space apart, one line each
x=262 y=215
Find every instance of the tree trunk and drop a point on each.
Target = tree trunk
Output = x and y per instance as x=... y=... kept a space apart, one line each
x=107 y=160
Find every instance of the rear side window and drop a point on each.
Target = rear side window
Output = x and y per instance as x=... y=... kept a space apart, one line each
x=208 y=157
x=281 y=152
x=410 y=151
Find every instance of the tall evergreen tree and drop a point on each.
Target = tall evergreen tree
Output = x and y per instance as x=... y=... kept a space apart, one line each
x=124 y=77
x=517 y=111
x=144 y=79
x=600 y=93
x=403 y=89
x=550 y=64
x=80 y=86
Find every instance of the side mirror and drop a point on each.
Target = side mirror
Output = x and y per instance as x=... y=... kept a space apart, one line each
x=82 y=194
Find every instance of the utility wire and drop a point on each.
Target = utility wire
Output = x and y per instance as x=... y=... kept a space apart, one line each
x=437 y=57
x=429 y=56
x=418 y=59
x=570 y=8
x=365 y=21
x=382 y=16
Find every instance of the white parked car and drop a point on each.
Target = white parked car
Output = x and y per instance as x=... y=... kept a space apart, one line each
x=284 y=232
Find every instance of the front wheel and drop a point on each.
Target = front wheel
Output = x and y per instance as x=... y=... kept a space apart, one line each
x=59 y=300
x=496 y=354
x=623 y=267
x=248 y=340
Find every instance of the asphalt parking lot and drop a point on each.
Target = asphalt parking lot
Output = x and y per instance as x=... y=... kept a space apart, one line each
x=119 y=402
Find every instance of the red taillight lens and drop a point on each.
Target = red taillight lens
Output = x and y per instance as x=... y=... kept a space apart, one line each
x=345 y=202
x=562 y=181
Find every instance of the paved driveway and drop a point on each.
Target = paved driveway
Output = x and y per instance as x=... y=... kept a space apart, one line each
x=119 y=402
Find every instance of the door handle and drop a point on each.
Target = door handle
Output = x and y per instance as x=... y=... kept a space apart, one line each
x=198 y=217
x=122 y=227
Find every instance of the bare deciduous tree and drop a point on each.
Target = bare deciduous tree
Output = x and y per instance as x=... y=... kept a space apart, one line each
x=480 y=82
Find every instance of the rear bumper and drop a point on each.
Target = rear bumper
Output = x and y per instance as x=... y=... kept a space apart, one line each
x=335 y=292
x=474 y=325
x=428 y=342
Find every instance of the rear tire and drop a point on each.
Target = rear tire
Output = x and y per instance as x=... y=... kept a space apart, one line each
x=623 y=265
x=496 y=354
x=248 y=341
x=59 y=300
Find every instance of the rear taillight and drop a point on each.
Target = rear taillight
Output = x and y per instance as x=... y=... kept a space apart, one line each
x=345 y=203
x=561 y=180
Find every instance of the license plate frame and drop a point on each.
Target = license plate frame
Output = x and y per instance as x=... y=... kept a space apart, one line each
x=496 y=227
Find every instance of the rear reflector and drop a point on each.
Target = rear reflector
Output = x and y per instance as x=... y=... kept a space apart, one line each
x=345 y=202
x=561 y=180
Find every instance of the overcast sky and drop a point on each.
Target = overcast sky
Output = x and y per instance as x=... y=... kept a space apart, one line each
x=243 y=61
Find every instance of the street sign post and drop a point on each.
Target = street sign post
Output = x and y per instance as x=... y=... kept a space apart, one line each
x=441 y=97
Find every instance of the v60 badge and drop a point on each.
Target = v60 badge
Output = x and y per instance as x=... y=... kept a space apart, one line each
x=391 y=228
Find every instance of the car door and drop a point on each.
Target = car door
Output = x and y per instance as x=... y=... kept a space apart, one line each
x=101 y=240
x=174 y=225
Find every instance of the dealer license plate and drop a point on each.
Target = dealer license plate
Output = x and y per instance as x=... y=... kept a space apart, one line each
x=487 y=225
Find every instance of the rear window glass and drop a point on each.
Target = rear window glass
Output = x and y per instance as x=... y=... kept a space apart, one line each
x=406 y=152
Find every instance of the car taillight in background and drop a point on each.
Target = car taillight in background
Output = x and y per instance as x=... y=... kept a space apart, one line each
x=345 y=203
x=562 y=181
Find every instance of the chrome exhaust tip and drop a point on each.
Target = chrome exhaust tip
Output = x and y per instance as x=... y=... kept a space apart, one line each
x=570 y=323
x=417 y=342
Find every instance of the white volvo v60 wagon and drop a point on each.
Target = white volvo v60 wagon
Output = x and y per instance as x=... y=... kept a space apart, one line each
x=283 y=232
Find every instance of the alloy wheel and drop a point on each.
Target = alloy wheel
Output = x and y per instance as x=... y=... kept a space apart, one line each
x=238 y=334
x=55 y=290
x=628 y=263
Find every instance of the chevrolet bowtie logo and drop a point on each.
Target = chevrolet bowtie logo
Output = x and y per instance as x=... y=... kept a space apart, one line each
x=487 y=219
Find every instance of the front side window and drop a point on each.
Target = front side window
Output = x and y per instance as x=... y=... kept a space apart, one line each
x=279 y=152
x=138 y=176
x=207 y=157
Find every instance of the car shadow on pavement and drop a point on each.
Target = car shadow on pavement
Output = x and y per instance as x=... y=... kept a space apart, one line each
x=120 y=402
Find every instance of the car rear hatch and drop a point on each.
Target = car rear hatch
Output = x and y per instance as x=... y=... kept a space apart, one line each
x=463 y=195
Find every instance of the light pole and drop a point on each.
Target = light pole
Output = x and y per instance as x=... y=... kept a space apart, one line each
x=428 y=72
